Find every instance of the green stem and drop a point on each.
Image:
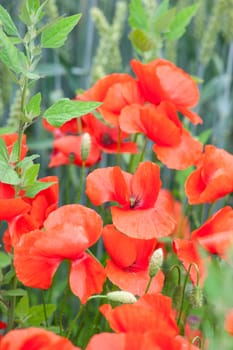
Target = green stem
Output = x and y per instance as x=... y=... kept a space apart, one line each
x=81 y=184
x=72 y=324
x=118 y=160
x=11 y=310
x=44 y=308
x=62 y=308
x=148 y=285
x=184 y=287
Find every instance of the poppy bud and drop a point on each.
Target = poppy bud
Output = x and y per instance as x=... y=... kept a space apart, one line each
x=156 y=262
x=196 y=297
x=85 y=146
x=121 y=297
x=177 y=297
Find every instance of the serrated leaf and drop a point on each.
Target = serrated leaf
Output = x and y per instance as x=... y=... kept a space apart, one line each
x=3 y=307
x=29 y=11
x=141 y=40
x=32 y=190
x=180 y=22
x=65 y=110
x=30 y=175
x=14 y=292
x=138 y=17
x=161 y=9
x=27 y=161
x=7 y=22
x=4 y=157
x=9 y=54
x=33 y=106
x=22 y=307
x=8 y=175
x=54 y=35
x=5 y=260
x=8 y=277
x=36 y=313
x=14 y=153
x=162 y=23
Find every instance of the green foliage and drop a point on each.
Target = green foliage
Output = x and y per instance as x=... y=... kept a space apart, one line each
x=5 y=260
x=55 y=34
x=150 y=30
x=7 y=22
x=65 y=110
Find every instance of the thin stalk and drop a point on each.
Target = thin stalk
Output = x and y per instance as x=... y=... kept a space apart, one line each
x=81 y=184
x=148 y=285
x=72 y=324
x=62 y=308
x=11 y=310
x=44 y=308
x=184 y=287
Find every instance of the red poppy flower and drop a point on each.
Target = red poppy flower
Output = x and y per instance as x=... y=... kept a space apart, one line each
x=216 y=234
x=147 y=324
x=69 y=231
x=213 y=177
x=141 y=212
x=115 y=91
x=181 y=156
x=150 y=312
x=161 y=80
x=228 y=324
x=36 y=339
x=174 y=146
x=107 y=138
x=128 y=264
x=67 y=150
x=152 y=340
x=40 y=207
x=188 y=253
x=11 y=206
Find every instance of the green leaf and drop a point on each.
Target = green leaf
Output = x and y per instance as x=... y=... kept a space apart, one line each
x=138 y=17
x=161 y=9
x=33 y=106
x=8 y=175
x=32 y=190
x=30 y=175
x=7 y=22
x=5 y=260
x=31 y=12
x=4 y=157
x=8 y=277
x=180 y=22
x=54 y=35
x=205 y=135
x=162 y=23
x=141 y=40
x=36 y=313
x=27 y=161
x=14 y=292
x=3 y=307
x=14 y=153
x=65 y=110
x=9 y=54
x=22 y=307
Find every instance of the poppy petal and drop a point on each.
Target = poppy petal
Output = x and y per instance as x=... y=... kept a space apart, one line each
x=87 y=277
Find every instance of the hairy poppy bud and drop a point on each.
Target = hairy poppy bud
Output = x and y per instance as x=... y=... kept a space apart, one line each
x=121 y=297
x=196 y=297
x=85 y=146
x=156 y=262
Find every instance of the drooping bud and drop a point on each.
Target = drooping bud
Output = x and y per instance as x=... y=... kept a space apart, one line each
x=177 y=297
x=196 y=297
x=121 y=297
x=85 y=146
x=156 y=262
